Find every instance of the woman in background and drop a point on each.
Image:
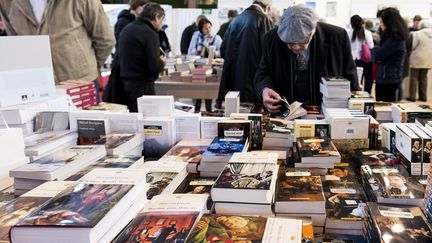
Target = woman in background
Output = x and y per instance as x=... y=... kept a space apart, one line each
x=200 y=45
x=390 y=54
x=359 y=35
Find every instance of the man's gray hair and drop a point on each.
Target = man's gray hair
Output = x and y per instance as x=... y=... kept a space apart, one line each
x=297 y=23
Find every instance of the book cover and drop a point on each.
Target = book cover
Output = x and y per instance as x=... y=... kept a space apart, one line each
x=377 y=158
x=196 y=185
x=279 y=126
x=107 y=162
x=398 y=224
x=83 y=205
x=89 y=131
x=40 y=138
x=235 y=129
x=256 y=126
x=299 y=188
x=159 y=227
x=246 y=176
x=158 y=181
x=225 y=147
x=341 y=171
x=344 y=200
x=389 y=183
x=316 y=147
x=112 y=141
x=218 y=228
x=184 y=153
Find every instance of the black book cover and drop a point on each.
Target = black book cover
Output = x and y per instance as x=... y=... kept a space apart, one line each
x=89 y=131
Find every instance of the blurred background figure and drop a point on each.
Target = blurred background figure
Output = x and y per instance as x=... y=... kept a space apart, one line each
x=231 y=15
x=187 y=35
x=416 y=23
x=369 y=25
x=165 y=45
x=275 y=15
x=420 y=62
x=2 y=28
x=361 y=38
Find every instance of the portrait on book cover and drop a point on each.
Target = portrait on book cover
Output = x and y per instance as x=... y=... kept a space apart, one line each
x=246 y=176
x=189 y=154
x=381 y=159
x=396 y=185
x=158 y=227
x=81 y=205
x=416 y=151
x=114 y=140
x=215 y=228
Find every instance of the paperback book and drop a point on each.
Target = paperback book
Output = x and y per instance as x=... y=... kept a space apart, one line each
x=314 y=150
x=197 y=185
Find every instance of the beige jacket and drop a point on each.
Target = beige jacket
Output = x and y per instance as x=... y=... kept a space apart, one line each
x=421 y=49
x=80 y=34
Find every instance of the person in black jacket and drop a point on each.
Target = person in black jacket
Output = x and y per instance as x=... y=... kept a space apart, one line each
x=241 y=50
x=390 y=55
x=297 y=54
x=138 y=49
x=187 y=35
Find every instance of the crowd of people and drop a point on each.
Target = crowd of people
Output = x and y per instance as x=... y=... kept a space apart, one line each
x=267 y=57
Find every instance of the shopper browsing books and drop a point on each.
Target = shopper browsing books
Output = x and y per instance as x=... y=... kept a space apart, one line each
x=297 y=54
x=140 y=62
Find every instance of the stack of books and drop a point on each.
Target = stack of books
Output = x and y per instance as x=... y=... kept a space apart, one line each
x=189 y=151
x=199 y=75
x=256 y=141
x=99 y=204
x=279 y=134
x=160 y=135
x=299 y=193
x=374 y=158
x=396 y=224
x=57 y=166
x=187 y=125
x=383 y=111
x=362 y=101
x=82 y=93
x=427 y=201
x=21 y=207
x=391 y=185
x=12 y=155
x=42 y=144
x=348 y=124
x=336 y=92
x=167 y=218
x=229 y=228
x=246 y=185
x=117 y=144
x=345 y=201
x=233 y=137
x=316 y=152
x=408 y=112
x=409 y=144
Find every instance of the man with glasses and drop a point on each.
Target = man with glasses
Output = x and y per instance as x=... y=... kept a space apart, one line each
x=297 y=54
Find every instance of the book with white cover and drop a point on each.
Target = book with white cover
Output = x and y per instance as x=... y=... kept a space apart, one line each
x=236 y=208
x=51 y=121
x=160 y=135
x=61 y=164
x=96 y=202
x=232 y=103
x=16 y=210
x=409 y=145
x=123 y=122
x=255 y=157
x=187 y=125
x=179 y=213
x=42 y=143
x=247 y=228
x=83 y=114
x=23 y=113
x=12 y=144
x=25 y=78
x=209 y=126
x=156 y=105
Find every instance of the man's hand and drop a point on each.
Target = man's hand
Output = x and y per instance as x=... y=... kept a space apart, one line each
x=271 y=100
x=164 y=60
